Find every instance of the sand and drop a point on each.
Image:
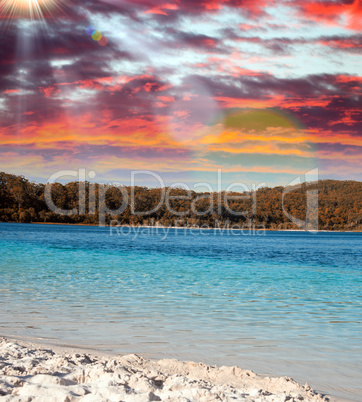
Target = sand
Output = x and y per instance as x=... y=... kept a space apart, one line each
x=30 y=373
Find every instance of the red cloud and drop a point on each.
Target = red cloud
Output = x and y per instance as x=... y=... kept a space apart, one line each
x=251 y=7
x=349 y=78
x=345 y=43
x=162 y=9
x=333 y=12
x=48 y=91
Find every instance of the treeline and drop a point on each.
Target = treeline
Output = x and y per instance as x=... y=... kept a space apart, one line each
x=339 y=205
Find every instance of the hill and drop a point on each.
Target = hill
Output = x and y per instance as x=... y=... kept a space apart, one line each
x=339 y=205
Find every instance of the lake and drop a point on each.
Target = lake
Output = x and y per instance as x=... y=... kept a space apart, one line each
x=279 y=303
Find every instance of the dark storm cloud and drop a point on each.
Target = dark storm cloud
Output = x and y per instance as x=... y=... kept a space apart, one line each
x=339 y=94
x=78 y=58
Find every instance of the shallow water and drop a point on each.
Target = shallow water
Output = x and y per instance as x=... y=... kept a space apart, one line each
x=282 y=303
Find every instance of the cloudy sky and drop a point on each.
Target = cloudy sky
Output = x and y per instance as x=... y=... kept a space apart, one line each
x=264 y=90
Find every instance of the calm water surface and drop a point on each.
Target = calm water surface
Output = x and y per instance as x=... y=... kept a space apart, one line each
x=285 y=303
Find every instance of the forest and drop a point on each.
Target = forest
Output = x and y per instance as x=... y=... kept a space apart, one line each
x=338 y=205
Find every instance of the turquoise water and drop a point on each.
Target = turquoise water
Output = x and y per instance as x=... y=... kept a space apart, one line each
x=282 y=303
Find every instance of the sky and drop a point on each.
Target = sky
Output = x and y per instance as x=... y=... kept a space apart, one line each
x=252 y=91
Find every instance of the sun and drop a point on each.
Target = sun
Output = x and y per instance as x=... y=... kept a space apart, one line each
x=33 y=9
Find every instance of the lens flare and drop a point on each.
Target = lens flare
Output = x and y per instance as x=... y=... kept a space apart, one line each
x=96 y=35
x=32 y=9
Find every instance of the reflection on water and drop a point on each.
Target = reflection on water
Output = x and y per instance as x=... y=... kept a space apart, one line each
x=287 y=303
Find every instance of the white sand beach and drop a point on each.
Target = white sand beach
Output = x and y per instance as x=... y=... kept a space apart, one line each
x=29 y=372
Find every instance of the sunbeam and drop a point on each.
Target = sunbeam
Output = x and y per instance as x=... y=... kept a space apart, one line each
x=32 y=9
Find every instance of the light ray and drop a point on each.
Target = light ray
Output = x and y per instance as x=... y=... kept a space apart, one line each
x=31 y=9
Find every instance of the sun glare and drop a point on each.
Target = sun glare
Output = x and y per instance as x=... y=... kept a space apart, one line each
x=33 y=9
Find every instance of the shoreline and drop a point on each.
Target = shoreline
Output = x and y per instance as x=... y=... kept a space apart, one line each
x=185 y=227
x=36 y=370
